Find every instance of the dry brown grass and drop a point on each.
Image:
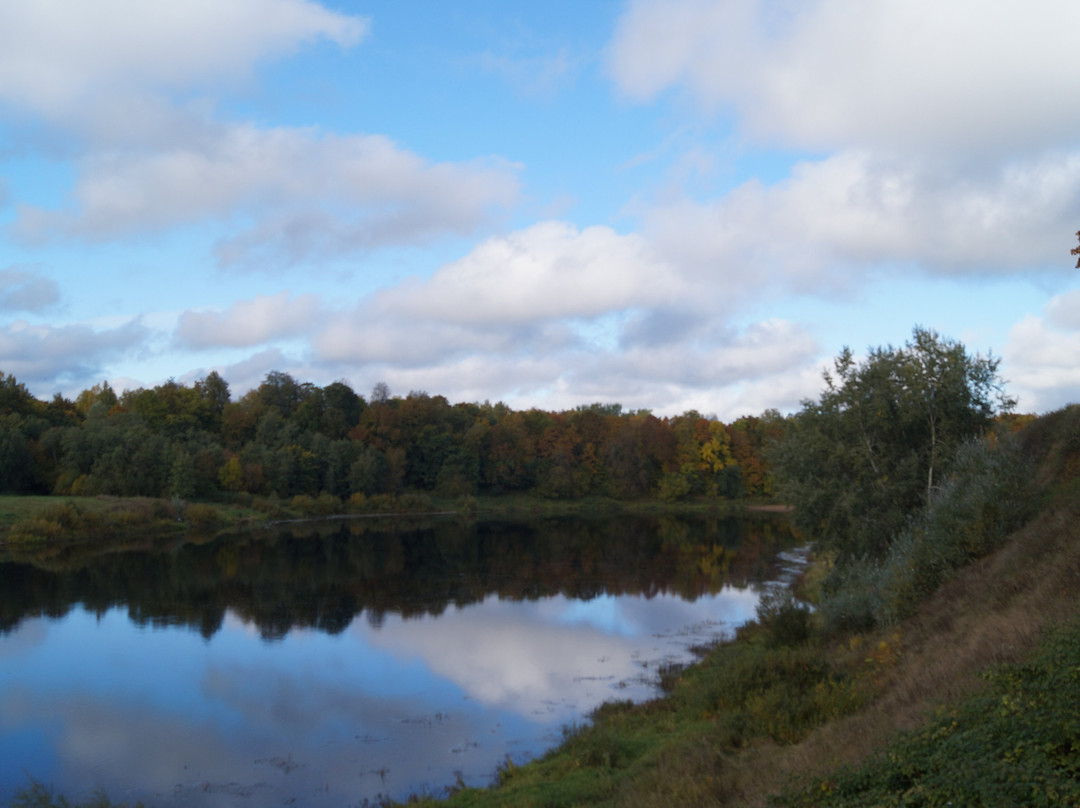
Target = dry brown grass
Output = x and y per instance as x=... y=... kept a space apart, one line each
x=994 y=612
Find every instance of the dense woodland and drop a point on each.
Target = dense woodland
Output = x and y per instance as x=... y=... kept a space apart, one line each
x=288 y=438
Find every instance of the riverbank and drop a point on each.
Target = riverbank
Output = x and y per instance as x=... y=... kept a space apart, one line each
x=787 y=715
x=41 y=520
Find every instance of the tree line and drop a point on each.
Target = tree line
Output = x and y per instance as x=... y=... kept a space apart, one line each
x=287 y=438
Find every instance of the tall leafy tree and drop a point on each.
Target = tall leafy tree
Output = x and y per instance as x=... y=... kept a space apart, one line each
x=879 y=441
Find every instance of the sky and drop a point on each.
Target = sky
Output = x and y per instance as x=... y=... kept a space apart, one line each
x=668 y=204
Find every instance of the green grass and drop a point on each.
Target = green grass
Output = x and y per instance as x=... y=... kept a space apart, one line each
x=46 y=519
x=676 y=750
x=1016 y=744
x=38 y=520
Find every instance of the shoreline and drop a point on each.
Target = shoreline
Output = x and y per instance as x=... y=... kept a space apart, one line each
x=44 y=520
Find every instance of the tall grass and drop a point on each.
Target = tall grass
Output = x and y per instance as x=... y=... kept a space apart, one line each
x=988 y=495
x=1018 y=743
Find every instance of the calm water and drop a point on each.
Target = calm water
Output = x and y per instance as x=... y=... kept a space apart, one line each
x=322 y=665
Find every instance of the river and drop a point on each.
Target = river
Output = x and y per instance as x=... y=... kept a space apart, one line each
x=329 y=664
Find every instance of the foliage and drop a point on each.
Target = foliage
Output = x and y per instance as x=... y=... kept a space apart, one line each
x=785 y=620
x=1018 y=744
x=986 y=497
x=882 y=437
x=302 y=443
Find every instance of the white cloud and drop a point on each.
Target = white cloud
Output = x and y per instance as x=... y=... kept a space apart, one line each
x=309 y=195
x=553 y=316
x=1063 y=310
x=966 y=75
x=75 y=354
x=534 y=290
x=1041 y=360
x=838 y=218
x=249 y=322
x=23 y=290
x=249 y=373
x=61 y=57
x=546 y=271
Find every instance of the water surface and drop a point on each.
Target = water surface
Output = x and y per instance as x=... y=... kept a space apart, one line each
x=326 y=665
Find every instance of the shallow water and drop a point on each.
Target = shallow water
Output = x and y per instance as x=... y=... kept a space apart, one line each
x=345 y=663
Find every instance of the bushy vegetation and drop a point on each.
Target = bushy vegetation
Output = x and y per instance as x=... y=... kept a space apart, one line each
x=988 y=495
x=903 y=474
x=1018 y=743
x=884 y=435
x=84 y=517
x=322 y=447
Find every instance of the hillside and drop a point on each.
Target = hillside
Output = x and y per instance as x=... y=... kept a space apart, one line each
x=774 y=713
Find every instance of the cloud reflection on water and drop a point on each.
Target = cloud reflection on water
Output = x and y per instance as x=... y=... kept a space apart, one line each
x=161 y=715
x=555 y=657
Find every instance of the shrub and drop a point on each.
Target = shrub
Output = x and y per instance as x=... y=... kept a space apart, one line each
x=327 y=504
x=35 y=529
x=784 y=619
x=987 y=496
x=414 y=502
x=303 y=504
x=852 y=598
x=202 y=516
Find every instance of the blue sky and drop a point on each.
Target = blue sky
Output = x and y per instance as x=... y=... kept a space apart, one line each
x=672 y=205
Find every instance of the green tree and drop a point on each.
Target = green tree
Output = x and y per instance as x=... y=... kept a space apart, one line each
x=213 y=390
x=369 y=472
x=874 y=448
x=15 y=398
x=18 y=471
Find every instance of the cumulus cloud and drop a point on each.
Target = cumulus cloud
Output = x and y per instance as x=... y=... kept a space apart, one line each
x=535 y=290
x=1041 y=359
x=23 y=290
x=127 y=78
x=548 y=270
x=1063 y=311
x=248 y=322
x=309 y=195
x=899 y=74
x=834 y=220
x=552 y=316
x=59 y=58
x=737 y=372
x=71 y=353
x=249 y=373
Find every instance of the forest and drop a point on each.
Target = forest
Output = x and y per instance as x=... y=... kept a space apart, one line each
x=287 y=439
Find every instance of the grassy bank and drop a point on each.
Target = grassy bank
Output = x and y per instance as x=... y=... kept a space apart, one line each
x=966 y=699
x=48 y=519
x=37 y=520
